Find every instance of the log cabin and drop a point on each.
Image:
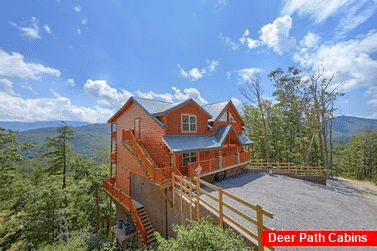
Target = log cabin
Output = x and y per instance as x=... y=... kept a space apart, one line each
x=151 y=140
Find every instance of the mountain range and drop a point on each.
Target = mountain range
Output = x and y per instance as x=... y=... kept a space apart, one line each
x=92 y=138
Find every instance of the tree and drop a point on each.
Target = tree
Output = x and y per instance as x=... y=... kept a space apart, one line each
x=201 y=235
x=10 y=153
x=59 y=151
x=253 y=91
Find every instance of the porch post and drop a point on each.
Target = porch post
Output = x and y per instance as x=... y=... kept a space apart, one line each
x=238 y=157
x=220 y=159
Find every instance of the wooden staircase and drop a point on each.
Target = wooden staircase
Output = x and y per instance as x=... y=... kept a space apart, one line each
x=148 y=227
x=139 y=151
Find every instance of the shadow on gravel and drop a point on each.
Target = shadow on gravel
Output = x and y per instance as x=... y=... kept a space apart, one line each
x=240 y=180
x=342 y=188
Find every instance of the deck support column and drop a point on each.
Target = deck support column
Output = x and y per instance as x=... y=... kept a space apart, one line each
x=220 y=159
x=238 y=157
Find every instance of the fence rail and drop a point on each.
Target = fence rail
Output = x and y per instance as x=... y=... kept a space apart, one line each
x=287 y=167
x=191 y=191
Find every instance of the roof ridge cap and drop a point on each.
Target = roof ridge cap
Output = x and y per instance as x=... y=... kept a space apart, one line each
x=156 y=100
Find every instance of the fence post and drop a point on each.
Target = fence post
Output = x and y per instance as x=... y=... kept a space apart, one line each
x=181 y=187
x=221 y=214
x=197 y=198
x=260 y=226
x=190 y=196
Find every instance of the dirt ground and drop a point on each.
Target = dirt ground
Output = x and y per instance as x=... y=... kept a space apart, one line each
x=299 y=204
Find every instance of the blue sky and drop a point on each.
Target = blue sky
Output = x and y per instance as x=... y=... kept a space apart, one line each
x=81 y=60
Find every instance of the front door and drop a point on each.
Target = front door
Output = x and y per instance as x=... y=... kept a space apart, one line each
x=137 y=128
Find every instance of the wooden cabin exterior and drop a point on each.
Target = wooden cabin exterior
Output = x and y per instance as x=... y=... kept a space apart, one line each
x=180 y=136
x=154 y=139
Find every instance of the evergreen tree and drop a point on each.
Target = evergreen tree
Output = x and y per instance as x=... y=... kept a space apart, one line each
x=59 y=150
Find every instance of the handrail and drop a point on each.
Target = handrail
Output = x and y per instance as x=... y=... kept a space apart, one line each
x=181 y=184
x=127 y=200
x=128 y=134
x=288 y=167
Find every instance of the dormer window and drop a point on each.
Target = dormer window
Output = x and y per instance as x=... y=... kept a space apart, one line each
x=188 y=123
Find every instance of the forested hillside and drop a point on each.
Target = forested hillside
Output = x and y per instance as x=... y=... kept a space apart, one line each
x=300 y=126
x=53 y=201
x=90 y=139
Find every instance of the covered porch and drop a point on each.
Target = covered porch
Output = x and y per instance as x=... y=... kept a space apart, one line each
x=201 y=155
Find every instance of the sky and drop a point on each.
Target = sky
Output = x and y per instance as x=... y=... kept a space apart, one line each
x=82 y=60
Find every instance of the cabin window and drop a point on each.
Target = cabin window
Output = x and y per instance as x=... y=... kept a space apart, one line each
x=223 y=117
x=114 y=169
x=114 y=127
x=113 y=145
x=227 y=117
x=231 y=118
x=189 y=157
x=188 y=123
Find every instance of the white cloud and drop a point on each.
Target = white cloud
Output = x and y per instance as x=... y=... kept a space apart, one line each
x=152 y=95
x=319 y=11
x=228 y=74
x=177 y=96
x=229 y=43
x=77 y=8
x=43 y=109
x=47 y=29
x=7 y=86
x=84 y=21
x=276 y=35
x=195 y=74
x=103 y=93
x=247 y=73
x=189 y=93
x=353 y=12
x=246 y=40
x=350 y=61
x=357 y=14
x=222 y=2
x=78 y=30
x=13 y=65
x=237 y=103
x=372 y=91
x=310 y=40
x=71 y=82
x=31 y=30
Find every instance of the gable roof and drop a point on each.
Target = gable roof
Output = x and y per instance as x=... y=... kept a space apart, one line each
x=153 y=106
x=181 y=104
x=157 y=108
x=215 y=109
x=183 y=143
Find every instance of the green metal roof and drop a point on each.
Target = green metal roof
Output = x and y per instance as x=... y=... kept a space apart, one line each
x=154 y=106
x=184 y=143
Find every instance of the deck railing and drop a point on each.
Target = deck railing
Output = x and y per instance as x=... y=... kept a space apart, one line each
x=229 y=160
x=287 y=167
x=213 y=164
x=121 y=197
x=192 y=192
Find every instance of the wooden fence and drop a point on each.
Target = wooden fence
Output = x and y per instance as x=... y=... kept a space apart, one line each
x=192 y=193
x=289 y=168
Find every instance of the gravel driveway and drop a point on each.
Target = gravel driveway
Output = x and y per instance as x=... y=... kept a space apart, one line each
x=298 y=204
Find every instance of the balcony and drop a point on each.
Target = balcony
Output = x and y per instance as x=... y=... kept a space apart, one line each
x=211 y=166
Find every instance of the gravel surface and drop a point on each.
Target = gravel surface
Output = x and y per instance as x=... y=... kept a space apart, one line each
x=299 y=204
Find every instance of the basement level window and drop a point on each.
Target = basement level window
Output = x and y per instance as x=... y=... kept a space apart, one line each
x=189 y=157
x=114 y=127
x=188 y=123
